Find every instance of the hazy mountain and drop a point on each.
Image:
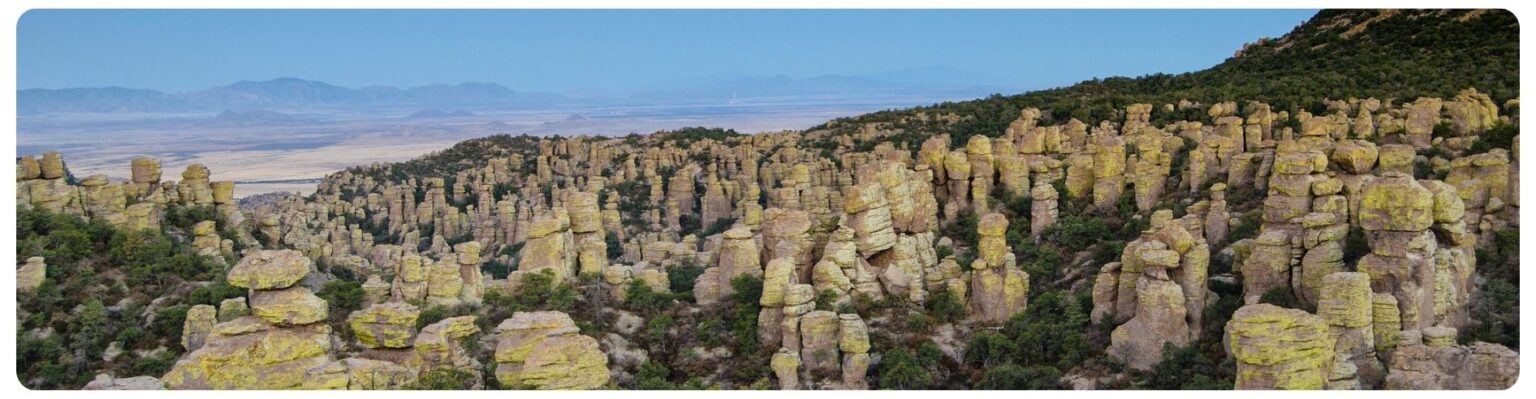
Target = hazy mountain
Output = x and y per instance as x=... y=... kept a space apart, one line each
x=276 y=94
x=99 y=99
x=293 y=94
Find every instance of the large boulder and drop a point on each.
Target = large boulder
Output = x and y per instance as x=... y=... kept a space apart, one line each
x=387 y=325
x=289 y=306
x=542 y=350
x=1279 y=348
x=270 y=269
x=249 y=353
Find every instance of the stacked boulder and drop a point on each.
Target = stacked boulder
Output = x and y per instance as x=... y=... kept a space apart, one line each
x=587 y=233
x=543 y=350
x=274 y=347
x=551 y=246
x=1345 y=304
x=1156 y=293
x=998 y=289
x=1042 y=211
x=824 y=350
x=1397 y=213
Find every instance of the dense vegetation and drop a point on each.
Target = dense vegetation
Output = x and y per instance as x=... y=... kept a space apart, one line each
x=1338 y=54
x=99 y=298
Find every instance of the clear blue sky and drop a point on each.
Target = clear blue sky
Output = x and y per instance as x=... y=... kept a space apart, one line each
x=558 y=50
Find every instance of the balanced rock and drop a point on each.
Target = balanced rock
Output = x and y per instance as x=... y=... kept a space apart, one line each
x=270 y=269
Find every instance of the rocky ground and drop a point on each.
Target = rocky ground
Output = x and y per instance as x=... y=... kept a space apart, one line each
x=1329 y=251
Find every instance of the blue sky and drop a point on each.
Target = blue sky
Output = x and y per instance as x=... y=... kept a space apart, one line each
x=565 y=50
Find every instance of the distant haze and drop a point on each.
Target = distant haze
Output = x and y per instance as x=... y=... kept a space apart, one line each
x=617 y=53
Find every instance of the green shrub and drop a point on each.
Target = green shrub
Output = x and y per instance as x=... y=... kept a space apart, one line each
x=1014 y=377
x=344 y=297
x=987 y=349
x=900 y=370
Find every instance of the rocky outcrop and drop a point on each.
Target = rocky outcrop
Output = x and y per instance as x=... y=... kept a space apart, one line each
x=1436 y=362
x=998 y=289
x=542 y=350
x=358 y=374
x=271 y=349
x=387 y=325
x=551 y=247
x=1279 y=348
x=738 y=256
x=1156 y=293
x=1345 y=304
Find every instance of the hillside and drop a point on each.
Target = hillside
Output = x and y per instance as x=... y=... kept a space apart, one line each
x=1212 y=230
x=1338 y=54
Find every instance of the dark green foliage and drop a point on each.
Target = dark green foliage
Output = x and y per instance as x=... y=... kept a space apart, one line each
x=987 y=349
x=1075 y=233
x=1496 y=315
x=1186 y=368
x=433 y=314
x=1247 y=227
x=343 y=296
x=153 y=365
x=1014 y=377
x=944 y=306
x=1501 y=135
x=536 y=291
x=615 y=247
x=680 y=278
x=1108 y=251
x=742 y=313
x=168 y=321
x=1496 y=308
x=963 y=229
x=640 y=298
x=688 y=135
x=825 y=299
x=901 y=370
x=943 y=251
x=653 y=376
x=496 y=269
x=719 y=226
x=91 y=265
x=214 y=293
x=1412 y=54
x=1054 y=331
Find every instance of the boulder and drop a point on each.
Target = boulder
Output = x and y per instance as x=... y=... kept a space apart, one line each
x=270 y=269
x=1279 y=348
x=387 y=325
x=289 y=306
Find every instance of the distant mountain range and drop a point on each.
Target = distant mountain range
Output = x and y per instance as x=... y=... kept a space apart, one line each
x=293 y=94
x=279 y=94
